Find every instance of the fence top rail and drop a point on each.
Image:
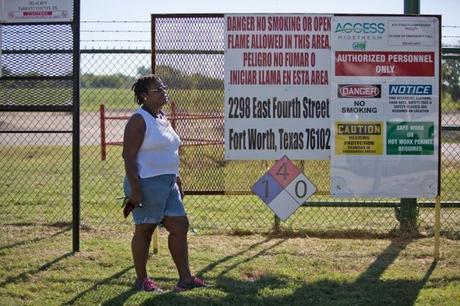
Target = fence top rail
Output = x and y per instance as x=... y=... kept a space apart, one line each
x=444 y=51
x=116 y=51
x=450 y=50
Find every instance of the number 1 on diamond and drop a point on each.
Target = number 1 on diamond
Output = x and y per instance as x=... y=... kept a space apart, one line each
x=265 y=182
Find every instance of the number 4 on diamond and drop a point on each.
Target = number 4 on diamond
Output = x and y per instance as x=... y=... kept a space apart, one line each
x=282 y=171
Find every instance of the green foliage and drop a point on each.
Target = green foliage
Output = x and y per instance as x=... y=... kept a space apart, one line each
x=448 y=105
x=451 y=78
x=189 y=100
x=174 y=78
x=117 y=80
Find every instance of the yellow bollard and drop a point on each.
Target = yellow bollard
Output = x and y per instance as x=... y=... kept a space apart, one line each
x=156 y=233
x=437 y=225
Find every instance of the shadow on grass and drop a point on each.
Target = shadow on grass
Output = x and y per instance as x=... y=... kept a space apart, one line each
x=33 y=240
x=368 y=289
x=169 y=297
x=24 y=276
x=117 y=300
x=229 y=257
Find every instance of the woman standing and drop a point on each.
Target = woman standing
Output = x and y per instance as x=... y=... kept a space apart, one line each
x=152 y=184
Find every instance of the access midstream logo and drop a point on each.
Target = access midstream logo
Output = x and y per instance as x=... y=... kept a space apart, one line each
x=404 y=89
x=360 y=28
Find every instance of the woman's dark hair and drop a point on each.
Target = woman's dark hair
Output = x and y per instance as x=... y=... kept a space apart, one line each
x=142 y=85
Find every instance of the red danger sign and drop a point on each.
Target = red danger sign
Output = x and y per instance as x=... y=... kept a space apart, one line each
x=373 y=63
x=359 y=91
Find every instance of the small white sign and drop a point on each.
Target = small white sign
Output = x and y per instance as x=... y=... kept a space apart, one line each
x=19 y=11
x=406 y=32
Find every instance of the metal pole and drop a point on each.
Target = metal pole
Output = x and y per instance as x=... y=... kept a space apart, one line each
x=76 y=129
x=412 y=7
x=437 y=225
x=276 y=225
x=408 y=212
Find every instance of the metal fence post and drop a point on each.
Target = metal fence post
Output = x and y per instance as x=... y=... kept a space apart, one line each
x=276 y=225
x=76 y=188
x=409 y=211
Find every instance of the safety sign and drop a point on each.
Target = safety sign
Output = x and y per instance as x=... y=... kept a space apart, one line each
x=284 y=188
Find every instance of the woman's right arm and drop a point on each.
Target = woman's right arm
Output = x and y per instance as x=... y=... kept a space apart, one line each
x=132 y=141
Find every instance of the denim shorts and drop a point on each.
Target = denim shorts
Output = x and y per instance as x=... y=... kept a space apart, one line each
x=160 y=198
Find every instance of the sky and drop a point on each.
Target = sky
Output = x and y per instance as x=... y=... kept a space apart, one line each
x=136 y=32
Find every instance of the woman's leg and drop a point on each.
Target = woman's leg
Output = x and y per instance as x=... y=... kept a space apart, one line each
x=177 y=244
x=140 y=248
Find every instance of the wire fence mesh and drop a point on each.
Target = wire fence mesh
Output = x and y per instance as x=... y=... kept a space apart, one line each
x=219 y=197
x=36 y=148
x=36 y=97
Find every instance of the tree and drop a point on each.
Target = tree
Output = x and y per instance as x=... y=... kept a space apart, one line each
x=451 y=78
x=89 y=80
x=143 y=71
x=177 y=79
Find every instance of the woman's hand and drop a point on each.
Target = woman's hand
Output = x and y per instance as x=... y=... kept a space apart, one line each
x=135 y=198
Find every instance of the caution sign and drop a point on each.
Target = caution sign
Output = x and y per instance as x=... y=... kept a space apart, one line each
x=358 y=138
x=410 y=138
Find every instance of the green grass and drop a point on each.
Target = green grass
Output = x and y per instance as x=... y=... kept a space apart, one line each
x=56 y=94
x=115 y=99
x=36 y=268
x=39 y=190
x=186 y=100
x=323 y=255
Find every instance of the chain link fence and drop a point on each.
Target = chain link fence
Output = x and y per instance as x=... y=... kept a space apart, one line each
x=38 y=90
x=190 y=60
x=36 y=149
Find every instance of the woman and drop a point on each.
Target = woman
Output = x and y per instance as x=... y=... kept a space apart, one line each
x=152 y=184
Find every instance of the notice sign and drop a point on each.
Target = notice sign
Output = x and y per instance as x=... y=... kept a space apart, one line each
x=284 y=188
x=385 y=106
x=277 y=86
x=36 y=11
